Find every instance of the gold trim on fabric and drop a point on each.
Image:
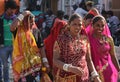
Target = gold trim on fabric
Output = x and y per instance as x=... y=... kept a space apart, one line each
x=101 y=71
x=71 y=78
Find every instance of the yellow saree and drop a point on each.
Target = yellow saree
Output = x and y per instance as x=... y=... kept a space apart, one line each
x=26 y=55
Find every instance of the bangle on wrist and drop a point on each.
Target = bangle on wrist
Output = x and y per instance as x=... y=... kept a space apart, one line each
x=94 y=74
x=44 y=59
x=66 y=66
x=47 y=65
x=20 y=17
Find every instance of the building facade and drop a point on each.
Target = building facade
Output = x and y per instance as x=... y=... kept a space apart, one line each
x=115 y=7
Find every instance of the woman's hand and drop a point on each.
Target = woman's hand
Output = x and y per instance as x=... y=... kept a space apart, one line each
x=97 y=79
x=46 y=65
x=26 y=13
x=75 y=70
x=118 y=76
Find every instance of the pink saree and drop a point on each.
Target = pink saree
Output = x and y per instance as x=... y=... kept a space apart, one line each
x=101 y=57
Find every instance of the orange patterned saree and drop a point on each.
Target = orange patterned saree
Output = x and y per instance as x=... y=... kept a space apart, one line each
x=26 y=58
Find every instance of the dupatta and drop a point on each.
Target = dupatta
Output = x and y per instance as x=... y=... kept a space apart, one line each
x=26 y=56
x=50 y=40
x=95 y=51
x=89 y=30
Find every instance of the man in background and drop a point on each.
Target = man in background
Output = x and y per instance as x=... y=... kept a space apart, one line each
x=6 y=38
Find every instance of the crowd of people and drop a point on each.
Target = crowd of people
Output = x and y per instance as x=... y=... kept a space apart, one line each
x=58 y=48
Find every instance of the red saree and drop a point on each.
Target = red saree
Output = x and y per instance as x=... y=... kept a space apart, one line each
x=50 y=40
x=72 y=51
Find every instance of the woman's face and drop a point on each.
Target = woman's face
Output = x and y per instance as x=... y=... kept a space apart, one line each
x=87 y=22
x=11 y=11
x=75 y=26
x=99 y=26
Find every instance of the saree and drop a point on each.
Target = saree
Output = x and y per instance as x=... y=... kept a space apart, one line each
x=26 y=55
x=50 y=40
x=72 y=52
x=102 y=60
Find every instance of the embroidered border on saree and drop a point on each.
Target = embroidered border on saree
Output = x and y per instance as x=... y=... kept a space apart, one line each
x=71 y=78
x=101 y=71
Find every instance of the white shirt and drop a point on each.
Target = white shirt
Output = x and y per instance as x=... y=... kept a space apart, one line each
x=114 y=19
x=81 y=12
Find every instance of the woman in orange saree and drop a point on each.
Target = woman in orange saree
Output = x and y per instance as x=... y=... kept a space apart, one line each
x=26 y=58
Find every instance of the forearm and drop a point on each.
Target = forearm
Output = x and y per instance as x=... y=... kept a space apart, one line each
x=19 y=19
x=115 y=62
x=44 y=58
x=58 y=63
x=15 y=24
x=42 y=51
x=90 y=65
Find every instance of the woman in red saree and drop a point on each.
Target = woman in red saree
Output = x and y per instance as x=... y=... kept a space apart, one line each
x=71 y=57
x=58 y=24
x=102 y=50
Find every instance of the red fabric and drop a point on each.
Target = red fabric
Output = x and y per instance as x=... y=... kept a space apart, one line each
x=74 y=53
x=49 y=41
x=92 y=12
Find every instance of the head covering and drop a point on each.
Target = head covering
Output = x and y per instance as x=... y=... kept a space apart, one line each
x=49 y=41
x=93 y=11
x=106 y=28
x=100 y=53
x=26 y=58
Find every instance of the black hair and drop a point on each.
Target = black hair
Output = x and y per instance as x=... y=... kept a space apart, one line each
x=66 y=17
x=90 y=3
x=97 y=18
x=82 y=5
x=60 y=13
x=89 y=16
x=103 y=12
x=49 y=12
x=74 y=16
x=10 y=4
x=110 y=13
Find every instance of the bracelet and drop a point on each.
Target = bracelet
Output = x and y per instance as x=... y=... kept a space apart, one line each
x=44 y=59
x=65 y=67
x=20 y=17
x=47 y=65
x=94 y=74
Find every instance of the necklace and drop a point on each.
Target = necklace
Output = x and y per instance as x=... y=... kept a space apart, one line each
x=76 y=42
x=77 y=46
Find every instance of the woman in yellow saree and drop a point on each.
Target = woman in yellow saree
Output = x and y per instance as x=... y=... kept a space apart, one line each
x=26 y=58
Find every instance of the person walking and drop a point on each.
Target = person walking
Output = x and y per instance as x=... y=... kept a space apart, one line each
x=71 y=54
x=103 y=51
x=28 y=48
x=6 y=38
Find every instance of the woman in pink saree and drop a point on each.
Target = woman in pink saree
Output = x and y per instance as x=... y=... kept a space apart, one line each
x=102 y=50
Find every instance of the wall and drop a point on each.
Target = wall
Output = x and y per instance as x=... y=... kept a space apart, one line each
x=116 y=7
